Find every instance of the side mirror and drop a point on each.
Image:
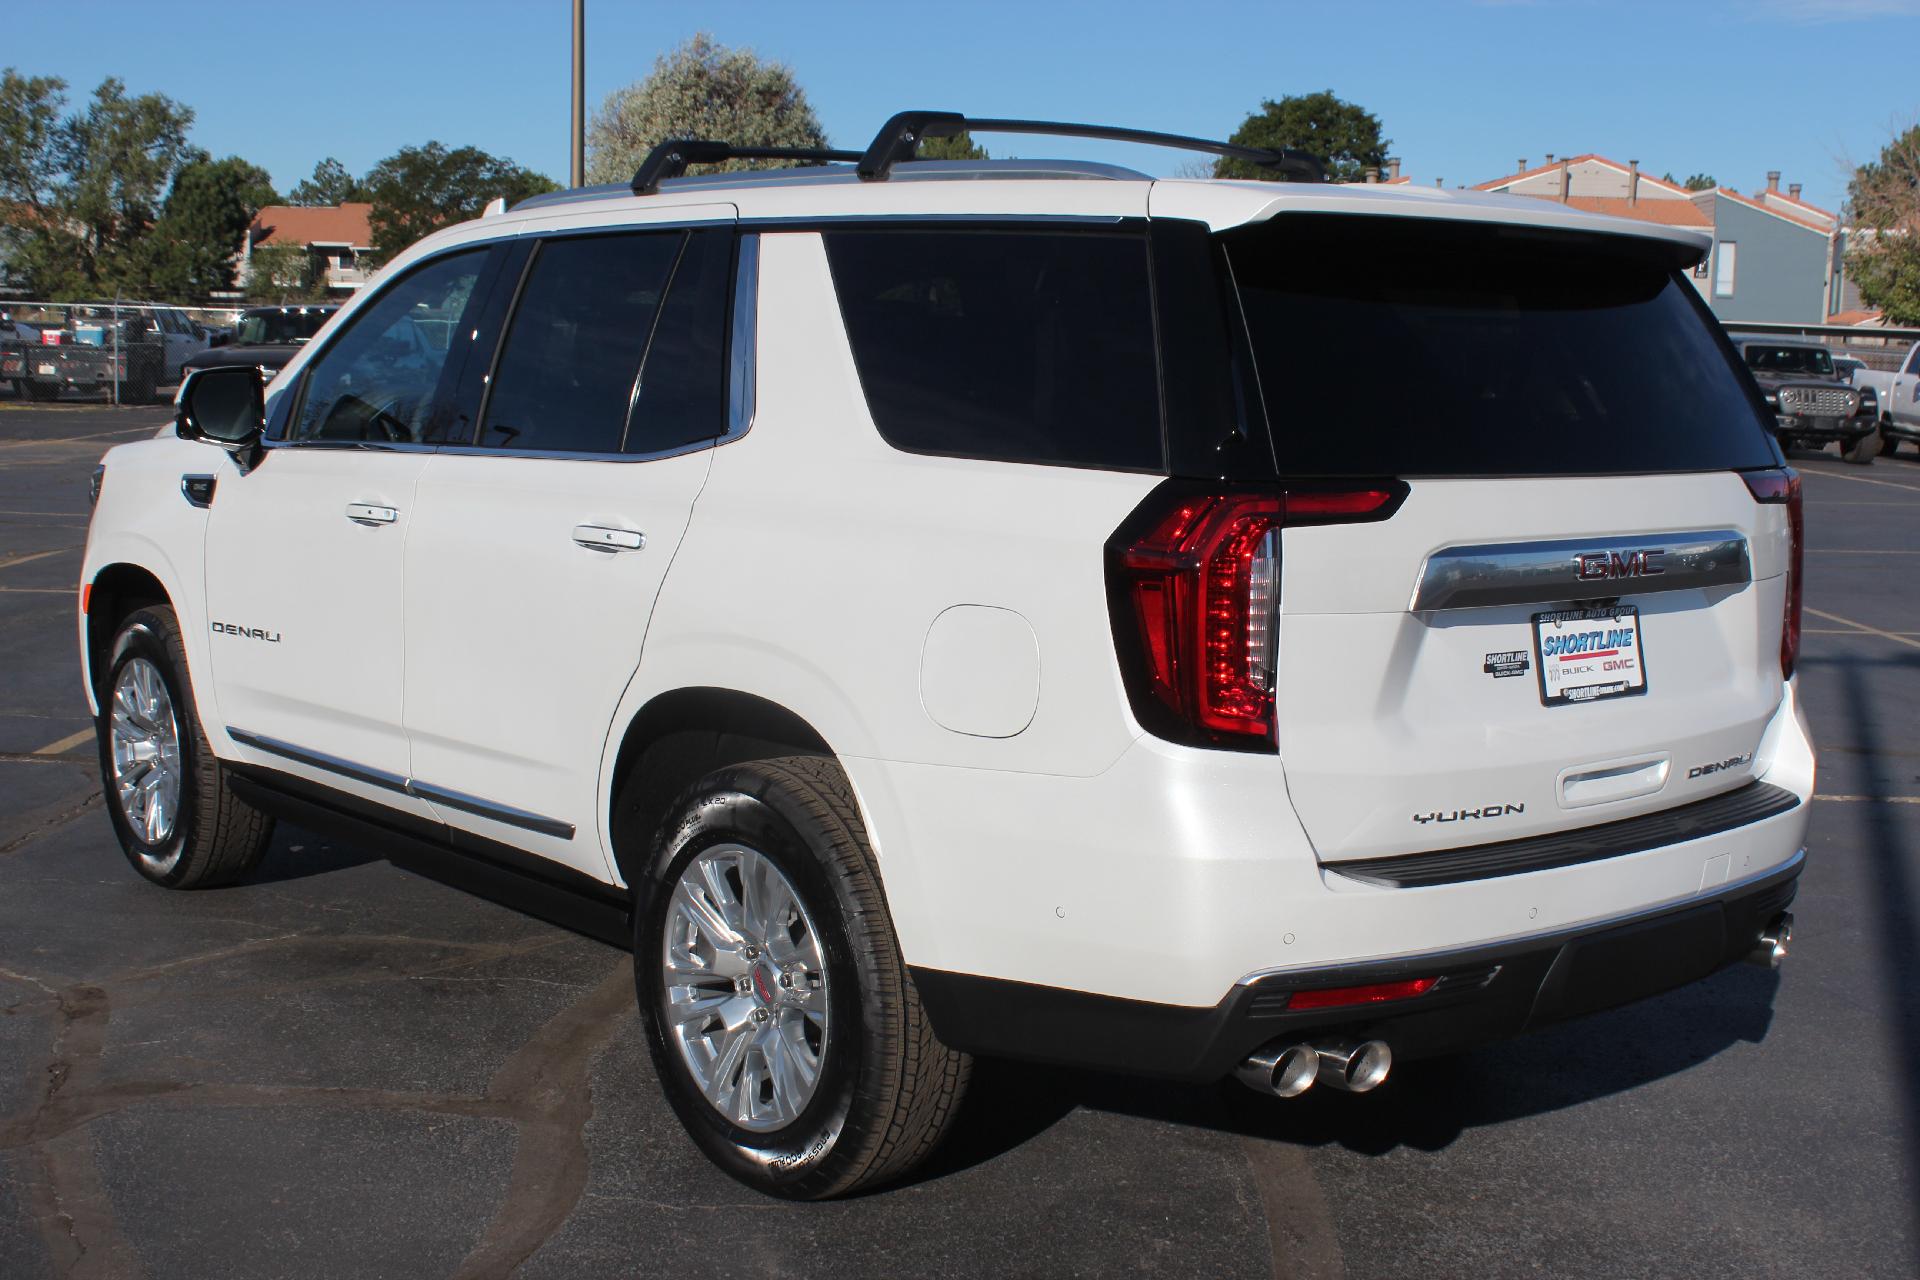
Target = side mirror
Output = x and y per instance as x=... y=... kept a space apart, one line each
x=224 y=407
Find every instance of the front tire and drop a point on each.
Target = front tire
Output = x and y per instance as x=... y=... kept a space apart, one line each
x=1863 y=450
x=782 y=1021
x=170 y=798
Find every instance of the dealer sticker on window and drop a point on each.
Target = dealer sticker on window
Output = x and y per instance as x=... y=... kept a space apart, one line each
x=1588 y=654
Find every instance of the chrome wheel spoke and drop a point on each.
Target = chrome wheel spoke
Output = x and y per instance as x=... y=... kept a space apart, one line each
x=145 y=741
x=744 y=987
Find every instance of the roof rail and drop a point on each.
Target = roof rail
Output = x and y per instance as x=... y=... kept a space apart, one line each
x=670 y=159
x=900 y=137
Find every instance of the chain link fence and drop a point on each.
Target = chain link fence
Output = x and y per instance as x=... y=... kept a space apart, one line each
x=125 y=352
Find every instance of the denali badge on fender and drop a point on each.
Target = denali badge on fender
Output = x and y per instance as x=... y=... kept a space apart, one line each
x=246 y=633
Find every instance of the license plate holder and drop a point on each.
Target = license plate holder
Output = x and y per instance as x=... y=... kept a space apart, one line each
x=1589 y=655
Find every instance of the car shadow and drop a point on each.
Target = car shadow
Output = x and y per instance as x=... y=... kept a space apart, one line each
x=297 y=854
x=1424 y=1105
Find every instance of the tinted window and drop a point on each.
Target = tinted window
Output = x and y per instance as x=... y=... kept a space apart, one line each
x=1019 y=346
x=380 y=379
x=683 y=387
x=1808 y=360
x=568 y=372
x=1401 y=347
x=281 y=325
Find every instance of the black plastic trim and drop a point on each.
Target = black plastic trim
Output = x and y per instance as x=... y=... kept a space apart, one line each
x=559 y=895
x=1493 y=992
x=1755 y=802
x=671 y=158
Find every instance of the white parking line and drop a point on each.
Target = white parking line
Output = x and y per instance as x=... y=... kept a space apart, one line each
x=8 y=562
x=1864 y=629
x=1845 y=551
x=1836 y=475
x=1871 y=799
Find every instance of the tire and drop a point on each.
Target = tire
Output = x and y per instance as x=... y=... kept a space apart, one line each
x=1889 y=444
x=1862 y=451
x=884 y=1090
x=41 y=391
x=212 y=837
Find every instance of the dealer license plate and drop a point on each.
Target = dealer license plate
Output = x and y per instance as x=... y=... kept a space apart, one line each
x=1584 y=655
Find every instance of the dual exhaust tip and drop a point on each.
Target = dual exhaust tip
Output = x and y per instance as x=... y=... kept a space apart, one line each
x=1289 y=1070
x=1770 y=948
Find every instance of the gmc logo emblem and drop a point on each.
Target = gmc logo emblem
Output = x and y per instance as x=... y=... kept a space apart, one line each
x=1598 y=566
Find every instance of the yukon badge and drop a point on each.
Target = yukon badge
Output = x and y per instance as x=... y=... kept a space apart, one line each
x=1599 y=566
x=1459 y=815
x=246 y=633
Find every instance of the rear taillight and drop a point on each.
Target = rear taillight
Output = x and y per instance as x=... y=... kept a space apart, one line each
x=1193 y=582
x=1782 y=485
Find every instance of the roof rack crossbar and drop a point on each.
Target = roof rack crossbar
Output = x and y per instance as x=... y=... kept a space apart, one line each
x=671 y=158
x=900 y=137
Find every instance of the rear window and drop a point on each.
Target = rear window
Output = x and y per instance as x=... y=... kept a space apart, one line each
x=1018 y=346
x=1419 y=348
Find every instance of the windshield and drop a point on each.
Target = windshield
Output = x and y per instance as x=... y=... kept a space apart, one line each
x=298 y=325
x=1416 y=347
x=1814 y=360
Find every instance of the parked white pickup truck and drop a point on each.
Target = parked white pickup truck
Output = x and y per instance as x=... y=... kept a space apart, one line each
x=1899 y=396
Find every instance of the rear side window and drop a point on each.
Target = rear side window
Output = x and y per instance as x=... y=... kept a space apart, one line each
x=568 y=371
x=1017 y=346
x=683 y=386
x=1420 y=348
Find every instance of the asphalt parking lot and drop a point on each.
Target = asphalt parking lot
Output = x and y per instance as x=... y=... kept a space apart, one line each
x=342 y=1069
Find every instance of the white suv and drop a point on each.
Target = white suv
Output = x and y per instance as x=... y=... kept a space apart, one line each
x=930 y=609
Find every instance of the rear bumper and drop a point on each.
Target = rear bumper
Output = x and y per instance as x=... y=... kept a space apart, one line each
x=1489 y=993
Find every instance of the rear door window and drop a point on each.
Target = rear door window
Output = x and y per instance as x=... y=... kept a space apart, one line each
x=1416 y=347
x=1017 y=346
x=568 y=373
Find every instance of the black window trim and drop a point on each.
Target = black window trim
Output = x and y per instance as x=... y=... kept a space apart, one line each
x=742 y=349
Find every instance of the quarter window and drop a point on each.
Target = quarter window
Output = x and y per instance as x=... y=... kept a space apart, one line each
x=381 y=379
x=568 y=375
x=1020 y=346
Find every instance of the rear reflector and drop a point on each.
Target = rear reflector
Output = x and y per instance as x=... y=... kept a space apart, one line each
x=1373 y=993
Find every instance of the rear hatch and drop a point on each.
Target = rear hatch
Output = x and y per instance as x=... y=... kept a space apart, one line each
x=1575 y=614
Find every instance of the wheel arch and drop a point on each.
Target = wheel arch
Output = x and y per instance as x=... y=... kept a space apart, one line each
x=112 y=593
x=679 y=736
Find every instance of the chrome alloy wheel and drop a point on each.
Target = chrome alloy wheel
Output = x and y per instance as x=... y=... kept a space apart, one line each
x=146 y=758
x=745 y=987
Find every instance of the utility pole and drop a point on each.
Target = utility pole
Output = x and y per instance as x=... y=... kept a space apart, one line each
x=577 y=140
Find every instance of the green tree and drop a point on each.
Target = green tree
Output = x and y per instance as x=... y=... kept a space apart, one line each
x=960 y=146
x=194 y=246
x=1694 y=182
x=1883 y=252
x=1345 y=137
x=418 y=190
x=701 y=90
x=285 y=273
x=330 y=184
x=82 y=193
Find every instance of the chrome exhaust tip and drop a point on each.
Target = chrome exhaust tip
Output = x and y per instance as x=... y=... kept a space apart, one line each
x=1354 y=1068
x=1771 y=947
x=1285 y=1071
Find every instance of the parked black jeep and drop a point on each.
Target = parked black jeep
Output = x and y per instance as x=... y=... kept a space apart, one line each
x=1812 y=404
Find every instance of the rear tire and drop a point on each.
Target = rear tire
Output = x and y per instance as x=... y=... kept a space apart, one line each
x=1889 y=445
x=1862 y=451
x=178 y=820
x=40 y=391
x=883 y=1091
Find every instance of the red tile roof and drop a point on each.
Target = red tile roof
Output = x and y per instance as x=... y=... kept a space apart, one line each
x=1668 y=213
x=1854 y=317
x=1781 y=195
x=319 y=224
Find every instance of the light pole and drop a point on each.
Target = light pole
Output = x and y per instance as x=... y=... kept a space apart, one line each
x=577 y=140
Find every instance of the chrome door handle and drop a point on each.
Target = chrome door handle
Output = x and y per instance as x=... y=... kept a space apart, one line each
x=369 y=514
x=599 y=537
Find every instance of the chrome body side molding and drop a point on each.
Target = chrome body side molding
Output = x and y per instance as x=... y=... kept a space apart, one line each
x=405 y=786
x=1499 y=573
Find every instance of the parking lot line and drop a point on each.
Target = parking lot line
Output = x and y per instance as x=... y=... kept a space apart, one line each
x=1871 y=799
x=8 y=562
x=1847 y=551
x=65 y=744
x=1836 y=475
x=1862 y=627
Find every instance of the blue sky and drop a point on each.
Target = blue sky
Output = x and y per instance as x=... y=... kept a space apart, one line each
x=1465 y=87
